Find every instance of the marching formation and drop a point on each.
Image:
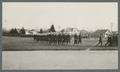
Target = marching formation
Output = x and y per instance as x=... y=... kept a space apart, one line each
x=67 y=39
x=59 y=39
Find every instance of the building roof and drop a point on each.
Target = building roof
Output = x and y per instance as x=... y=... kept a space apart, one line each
x=102 y=31
x=83 y=31
x=70 y=30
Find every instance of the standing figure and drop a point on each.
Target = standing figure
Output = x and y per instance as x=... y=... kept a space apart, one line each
x=100 y=40
x=48 y=38
x=68 y=39
x=58 y=39
x=79 y=39
x=109 y=40
x=75 y=39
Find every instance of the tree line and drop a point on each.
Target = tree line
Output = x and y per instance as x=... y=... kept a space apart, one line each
x=14 y=31
x=23 y=31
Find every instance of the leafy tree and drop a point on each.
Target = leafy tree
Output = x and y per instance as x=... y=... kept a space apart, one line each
x=41 y=31
x=52 y=28
x=22 y=31
x=13 y=31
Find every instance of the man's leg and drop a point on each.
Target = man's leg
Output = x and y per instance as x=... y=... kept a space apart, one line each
x=101 y=43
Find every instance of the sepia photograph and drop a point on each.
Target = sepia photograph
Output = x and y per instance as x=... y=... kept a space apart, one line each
x=59 y=35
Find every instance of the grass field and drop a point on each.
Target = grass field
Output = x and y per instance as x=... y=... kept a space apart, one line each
x=25 y=53
x=23 y=43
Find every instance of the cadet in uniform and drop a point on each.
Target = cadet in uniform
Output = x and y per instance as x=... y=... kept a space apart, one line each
x=80 y=39
x=100 y=40
x=75 y=39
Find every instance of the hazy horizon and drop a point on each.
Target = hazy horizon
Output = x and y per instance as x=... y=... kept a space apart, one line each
x=87 y=16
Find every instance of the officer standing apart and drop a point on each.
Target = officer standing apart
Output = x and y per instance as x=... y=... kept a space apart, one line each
x=109 y=41
x=100 y=40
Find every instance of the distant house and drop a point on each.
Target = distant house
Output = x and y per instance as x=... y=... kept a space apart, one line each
x=28 y=32
x=103 y=32
x=84 y=33
x=46 y=30
x=31 y=32
x=70 y=31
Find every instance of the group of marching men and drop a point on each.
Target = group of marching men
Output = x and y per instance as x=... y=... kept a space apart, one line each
x=59 y=39
x=65 y=39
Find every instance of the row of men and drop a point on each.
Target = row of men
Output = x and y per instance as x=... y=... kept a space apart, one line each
x=59 y=39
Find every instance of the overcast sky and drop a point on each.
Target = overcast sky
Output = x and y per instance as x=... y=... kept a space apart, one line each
x=88 y=16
